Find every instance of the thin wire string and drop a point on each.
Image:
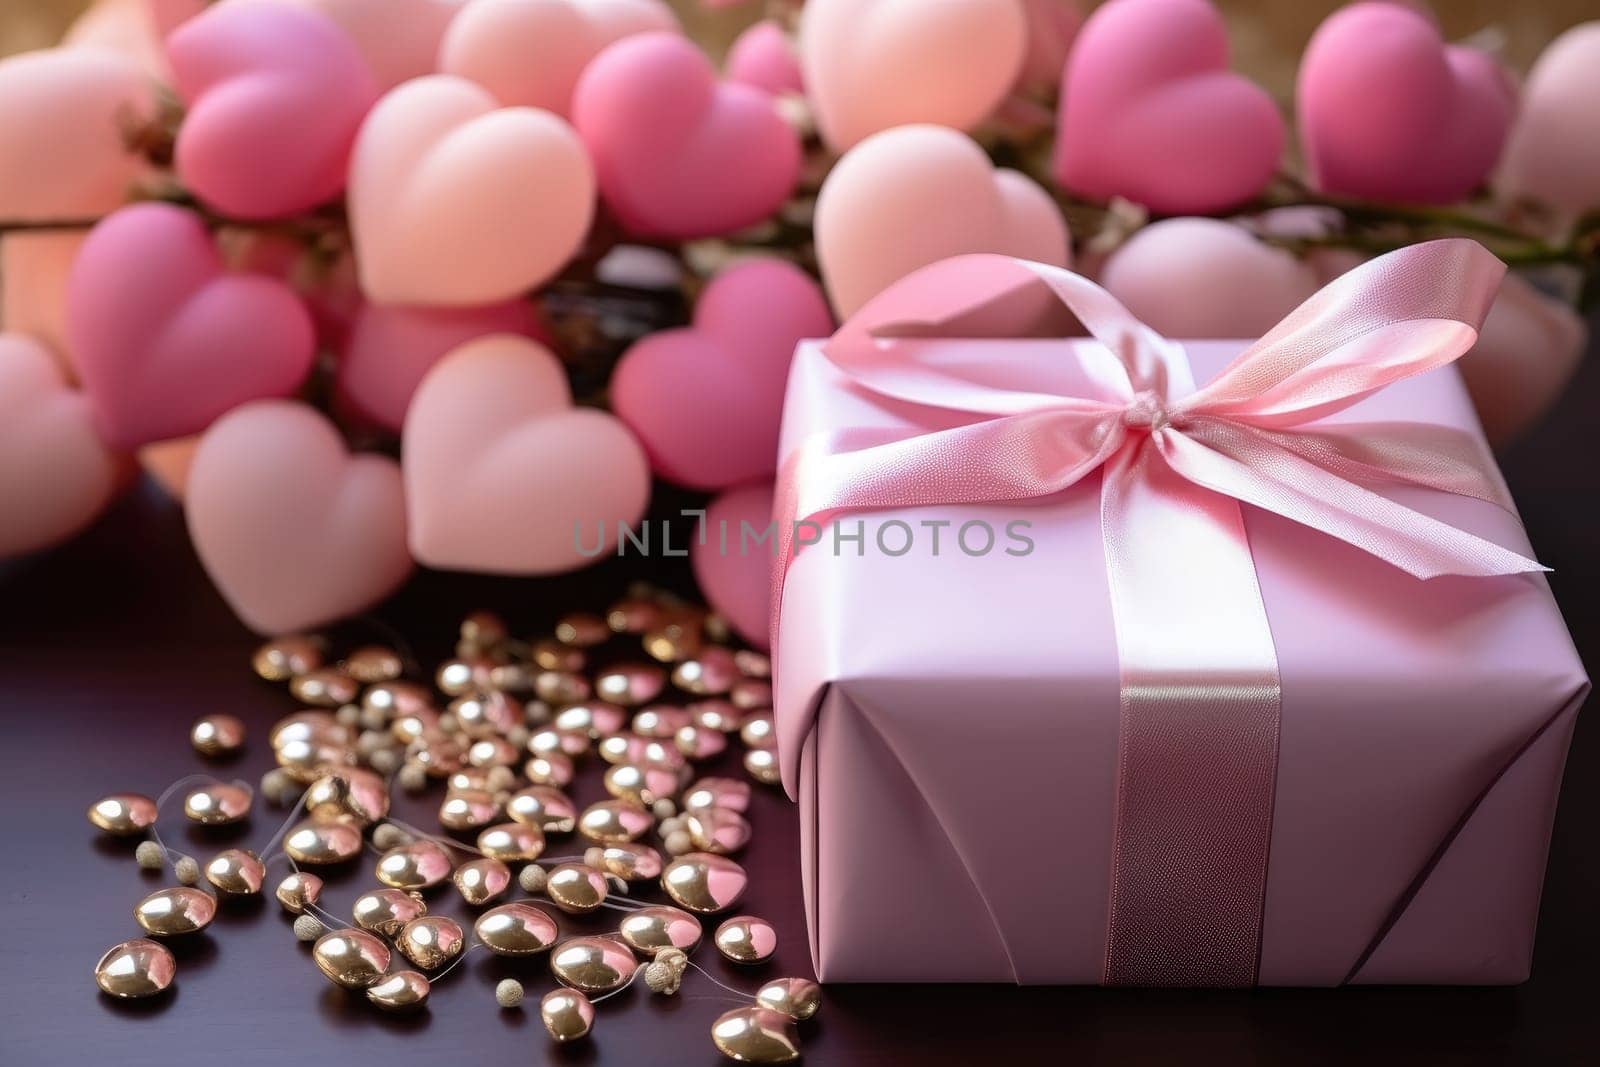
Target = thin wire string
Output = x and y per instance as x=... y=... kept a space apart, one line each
x=172 y=790
x=713 y=979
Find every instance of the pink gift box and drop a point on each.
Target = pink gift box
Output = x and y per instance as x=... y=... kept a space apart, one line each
x=950 y=723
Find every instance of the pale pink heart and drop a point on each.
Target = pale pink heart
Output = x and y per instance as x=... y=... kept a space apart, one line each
x=136 y=28
x=168 y=462
x=706 y=400
x=531 y=52
x=1052 y=25
x=165 y=339
x=63 y=115
x=1529 y=350
x=389 y=350
x=886 y=210
x=399 y=38
x=1193 y=278
x=504 y=476
x=34 y=268
x=733 y=566
x=874 y=64
x=294 y=530
x=764 y=56
x=1553 y=156
x=1387 y=111
x=274 y=96
x=56 y=476
x=1150 y=112
x=655 y=97
x=456 y=201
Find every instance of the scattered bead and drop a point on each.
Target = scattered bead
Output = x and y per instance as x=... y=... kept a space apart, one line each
x=217 y=735
x=798 y=998
x=678 y=843
x=186 y=870
x=218 y=804
x=386 y=911
x=278 y=789
x=299 y=891
x=237 y=872
x=567 y=1014
x=123 y=814
x=664 y=974
x=508 y=993
x=135 y=969
x=353 y=959
x=387 y=835
x=746 y=939
x=175 y=912
x=385 y=761
x=308 y=928
x=431 y=941
x=413 y=778
x=149 y=856
x=284 y=657
x=756 y=1035
x=762 y=764
x=592 y=964
x=664 y=808
x=400 y=992
x=651 y=930
x=532 y=879
x=516 y=929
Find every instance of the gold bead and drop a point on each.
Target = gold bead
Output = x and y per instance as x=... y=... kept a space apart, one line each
x=630 y=684
x=704 y=883
x=400 y=992
x=123 y=814
x=593 y=717
x=349 y=791
x=746 y=939
x=327 y=687
x=758 y=730
x=468 y=809
x=673 y=642
x=373 y=664
x=716 y=830
x=218 y=804
x=730 y=794
x=543 y=806
x=567 y=1014
x=396 y=699
x=630 y=861
x=575 y=888
x=664 y=974
x=660 y=721
x=582 y=630
x=385 y=911
x=319 y=844
x=512 y=842
x=615 y=821
x=284 y=657
x=756 y=1035
x=753 y=664
x=550 y=768
x=175 y=912
x=711 y=673
x=640 y=785
x=353 y=959
x=516 y=929
x=798 y=998
x=715 y=714
x=419 y=865
x=650 y=930
x=465 y=675
x=320 y=726
x=431 y=941
x=492 y=752
x=551 y=655
x=236 y=872
x=307 y=760
x=569 y=743
x=137 y=968
x=561 y=687
x=481 y=633
x=298 y=890
x=762 y=764
x=592 y=964
x=485 y=714
x=634 y=616
x=217 y=735
x=698 y=743
x=749 y=694
x=481 y=880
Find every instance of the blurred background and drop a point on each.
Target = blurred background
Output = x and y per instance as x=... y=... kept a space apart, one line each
x=1267 y=38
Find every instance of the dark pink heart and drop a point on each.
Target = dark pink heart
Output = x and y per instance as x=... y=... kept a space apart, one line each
x=733 y=569
x=706 y=400
x=165 y=339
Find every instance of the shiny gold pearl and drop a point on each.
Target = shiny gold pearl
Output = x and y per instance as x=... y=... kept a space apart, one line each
x=438 y=756
x=217 y=804
x=350 y=791
x=746 y=939
x=673 y=642
x=299 y=890
x=123 y=814
x=561 y=687
x=328 y=687
x=516 y=929
x=431 y=941
x=593 y=717
x=615 y=821
x=468 y=778
x=704 y=883
x=758 y=730
x=394 y=699
x=482 y=715
x=756 y=1035
x=635 y=615
x=749 y=694
x=482 y=880
x=320 y=844
x=630 y=862
x=567 y=1014
x=630 y=684
x=460 y=676
x=592 y=964
x=763 y=766
x=715 y=714
x=551 y=768
x=649 y=930
x=698 y=743
x=414 y=725
x=582 y=630
x=640 y=785
x=236 y=872
x=217 y=735
x=481 y=632
x=318 y=726
x=730 y=794
x=418 y=865
x=576 y=888
x=468 y=809
x=373 y=664
x=753 y=664
x=284 y=657
x=175 y=912
x=711 y=673
x=512 y=842
x=543 y=806
x=307 y=760
x=137 y=968
x=385 y=911
x=717 y=830
x=660 y=721
x=569 y=743
x=400 y=992
x=492 y=752
x=353 y=959
x=798 y=998
x=550 y=655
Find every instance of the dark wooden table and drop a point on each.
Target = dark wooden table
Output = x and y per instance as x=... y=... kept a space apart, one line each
x=111 y=646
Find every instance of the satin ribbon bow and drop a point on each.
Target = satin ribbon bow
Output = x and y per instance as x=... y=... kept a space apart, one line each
x=1200 y=684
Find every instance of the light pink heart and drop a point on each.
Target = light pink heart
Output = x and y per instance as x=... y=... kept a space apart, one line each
x=504 y=476
x=733 y=569
x=456 y=201
x=56 y=476
x=1389 y=112
x=1553 y=156
x=137 y=29
x=885 y=211
x=706 y=400
x=294 y=530
x=399 y=38
x=654 y=98
x=871 y=65
x=531 y=52
x=1530 y=348
x=63 y=115
x=34 y=268
x=764 y=56
x=1150 y=112
x=165 y=339
x=275 y=95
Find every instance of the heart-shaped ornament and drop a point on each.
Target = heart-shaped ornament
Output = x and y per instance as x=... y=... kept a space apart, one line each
x=764 y=56
x=294 y=530
x=884 y=212
x=1529 y=349
x=456 y=201
x=1052 y=25
x=504 y=476
x=398 y=38
x=871 y=65
x=1553 y=156
x=165 y=339
x=1388 y=111
x=654 y=97
x=137 y=29
x=56 y=476
x=1150 y=112
x=706 y=400
x=733 y=566
x=63 y=116
x=275 y=95
x=531 y=52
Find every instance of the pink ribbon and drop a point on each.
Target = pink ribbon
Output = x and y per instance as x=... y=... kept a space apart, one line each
x=1199 y=673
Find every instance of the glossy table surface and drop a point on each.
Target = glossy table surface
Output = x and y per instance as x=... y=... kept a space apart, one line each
x=111 y=646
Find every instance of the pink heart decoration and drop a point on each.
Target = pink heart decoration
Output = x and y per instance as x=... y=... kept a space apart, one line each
x=706 y=400
x=1530 y=348
x=1554 y=154
x=399 y=38
x=62 y=117
x=1389 y=112
x=871 y=65
x=884 y=211
x=531 y=52
x=454 y=201
x=56 y=476
x=294 y=530
x=390 y=349
x=1150 y=112
x=764 y=56
x=136 y=28
x=165 y=339
x=504 y=476
x=655 y=97
x=736 y=580
x=275 y=96
x=1052 y=26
